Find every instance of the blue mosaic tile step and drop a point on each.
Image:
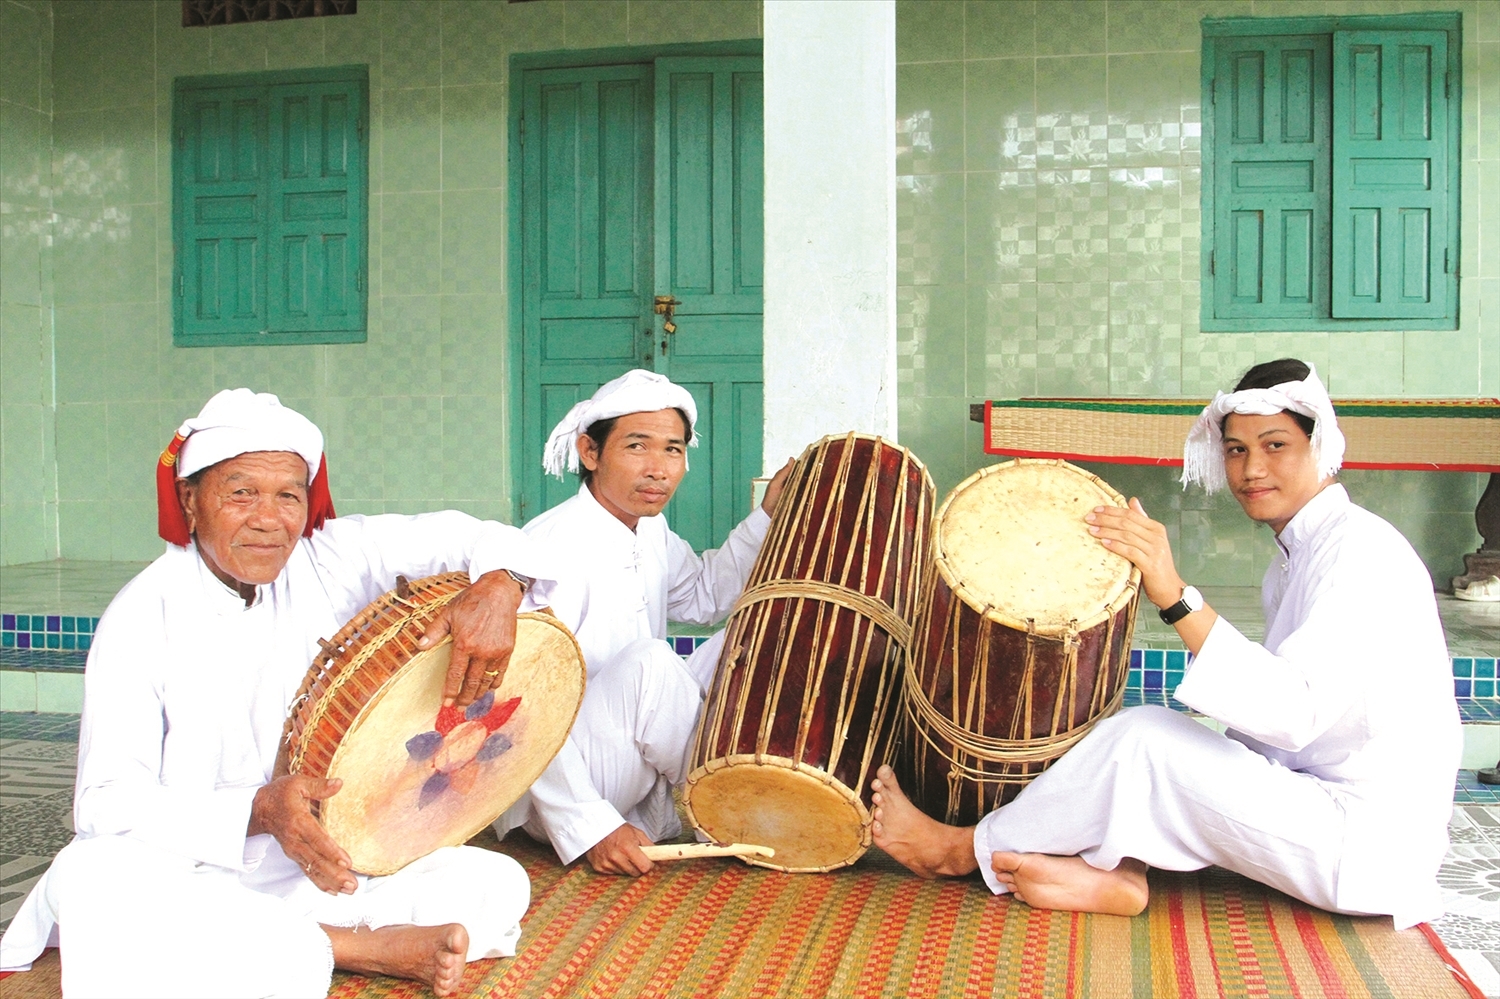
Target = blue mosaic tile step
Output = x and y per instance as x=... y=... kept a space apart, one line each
x=684 y=645
x=1161 y=670
x=60 y=632
x=1468 y=791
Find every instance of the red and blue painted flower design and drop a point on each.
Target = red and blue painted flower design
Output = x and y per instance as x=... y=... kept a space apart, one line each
x=459 y=742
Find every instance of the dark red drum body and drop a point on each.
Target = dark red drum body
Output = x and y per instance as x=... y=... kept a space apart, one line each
x=806 y=694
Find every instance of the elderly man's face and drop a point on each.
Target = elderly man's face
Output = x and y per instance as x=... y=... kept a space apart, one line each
x=247 y=514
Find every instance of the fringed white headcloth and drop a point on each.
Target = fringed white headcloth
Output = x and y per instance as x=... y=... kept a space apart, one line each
x=232 y=423
x=637 y=391
x=1203 y=454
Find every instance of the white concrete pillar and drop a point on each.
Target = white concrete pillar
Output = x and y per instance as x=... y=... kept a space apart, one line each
x=830 y=277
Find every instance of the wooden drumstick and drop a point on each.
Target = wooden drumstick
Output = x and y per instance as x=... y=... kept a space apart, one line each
x=691 y=851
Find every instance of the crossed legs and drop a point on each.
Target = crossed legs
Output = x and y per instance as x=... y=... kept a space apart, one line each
x=1146 y=788
x=931 y=849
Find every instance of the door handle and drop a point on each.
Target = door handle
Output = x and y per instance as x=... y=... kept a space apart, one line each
x=665 y=304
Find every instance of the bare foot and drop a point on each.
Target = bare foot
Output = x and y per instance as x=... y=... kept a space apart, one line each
x=431 y=954
x=922 y=843
x=1070 y=884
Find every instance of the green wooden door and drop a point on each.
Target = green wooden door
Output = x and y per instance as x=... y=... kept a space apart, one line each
x=709 y=256
x=639 y=181
x=586 y=246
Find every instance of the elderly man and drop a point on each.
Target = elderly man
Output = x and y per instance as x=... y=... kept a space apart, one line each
x=609 y=792
x=198 y=869
x=1334 y=783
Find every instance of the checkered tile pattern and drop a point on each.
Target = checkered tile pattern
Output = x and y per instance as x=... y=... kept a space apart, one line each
x=55 y=632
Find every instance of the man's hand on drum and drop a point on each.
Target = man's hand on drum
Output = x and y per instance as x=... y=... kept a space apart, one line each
x=1128 y=532
x=620 y=852
x=775 y=486
x=1131 y=534
x=482 y=620
x=283 y=808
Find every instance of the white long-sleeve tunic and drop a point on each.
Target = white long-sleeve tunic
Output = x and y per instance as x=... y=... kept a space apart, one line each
x=618 y=586
x=187 y=688
x=1352 y=686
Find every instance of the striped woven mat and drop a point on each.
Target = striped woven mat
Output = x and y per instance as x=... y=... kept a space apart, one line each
x=1458 y=435
x=720 y=928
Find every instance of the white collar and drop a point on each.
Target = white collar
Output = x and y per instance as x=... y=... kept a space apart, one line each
x=597 y=510
x=1315 y=515
x=221 y=597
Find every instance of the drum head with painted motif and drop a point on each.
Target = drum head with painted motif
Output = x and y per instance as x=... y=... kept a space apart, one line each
x=1011 y=541
x=418 y=776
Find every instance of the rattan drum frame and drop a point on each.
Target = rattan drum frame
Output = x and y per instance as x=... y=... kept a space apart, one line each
x=776 y=601
x=365 y=660
x=1004 y=762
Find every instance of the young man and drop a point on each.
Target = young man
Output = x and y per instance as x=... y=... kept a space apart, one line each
x=609 y=791
x=198 y=869
x=1334 y=782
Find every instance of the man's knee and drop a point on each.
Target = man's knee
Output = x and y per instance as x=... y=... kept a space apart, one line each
x=642 y=672
x=1153 y=735
x=112 y=866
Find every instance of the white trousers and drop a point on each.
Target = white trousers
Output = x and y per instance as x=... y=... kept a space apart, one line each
x=134 y=920
x=1155 y=785
x=628 y=748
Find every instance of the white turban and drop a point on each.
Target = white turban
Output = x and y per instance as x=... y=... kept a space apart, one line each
x=1203 y=454
x=238 y=421
x=637 y=391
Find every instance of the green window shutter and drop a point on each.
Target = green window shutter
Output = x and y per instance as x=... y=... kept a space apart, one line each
x=221 y=211
x=317 y=195
x=1392 y=234
x=270 y=207
x=1271 y=174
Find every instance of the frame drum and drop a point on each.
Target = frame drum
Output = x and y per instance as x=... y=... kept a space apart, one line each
x=1023 y=641
x=418 y=776
x=805 y=695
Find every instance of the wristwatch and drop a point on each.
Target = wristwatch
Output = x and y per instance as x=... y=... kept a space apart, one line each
x=525 y=581
x=1191 y=600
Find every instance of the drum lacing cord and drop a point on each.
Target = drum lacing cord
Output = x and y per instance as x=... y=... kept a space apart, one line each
x=985 y=748
x=352 y=668
x=877 y=610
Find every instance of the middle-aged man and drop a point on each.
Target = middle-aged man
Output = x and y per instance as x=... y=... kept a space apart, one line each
x=609 y=792
x=1334 y=783
x=198 y=869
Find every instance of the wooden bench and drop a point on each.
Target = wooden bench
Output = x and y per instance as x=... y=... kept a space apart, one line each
x=1449 y=435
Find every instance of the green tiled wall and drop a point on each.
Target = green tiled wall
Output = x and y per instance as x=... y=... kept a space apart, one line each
x=1048 y=244
x=416 y=418
x=28 y=497
x=1048 y=228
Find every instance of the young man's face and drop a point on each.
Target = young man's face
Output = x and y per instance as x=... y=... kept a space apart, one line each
x=1269 y=462
x=638 y=468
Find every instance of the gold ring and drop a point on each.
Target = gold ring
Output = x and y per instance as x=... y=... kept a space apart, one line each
x=491 y=672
